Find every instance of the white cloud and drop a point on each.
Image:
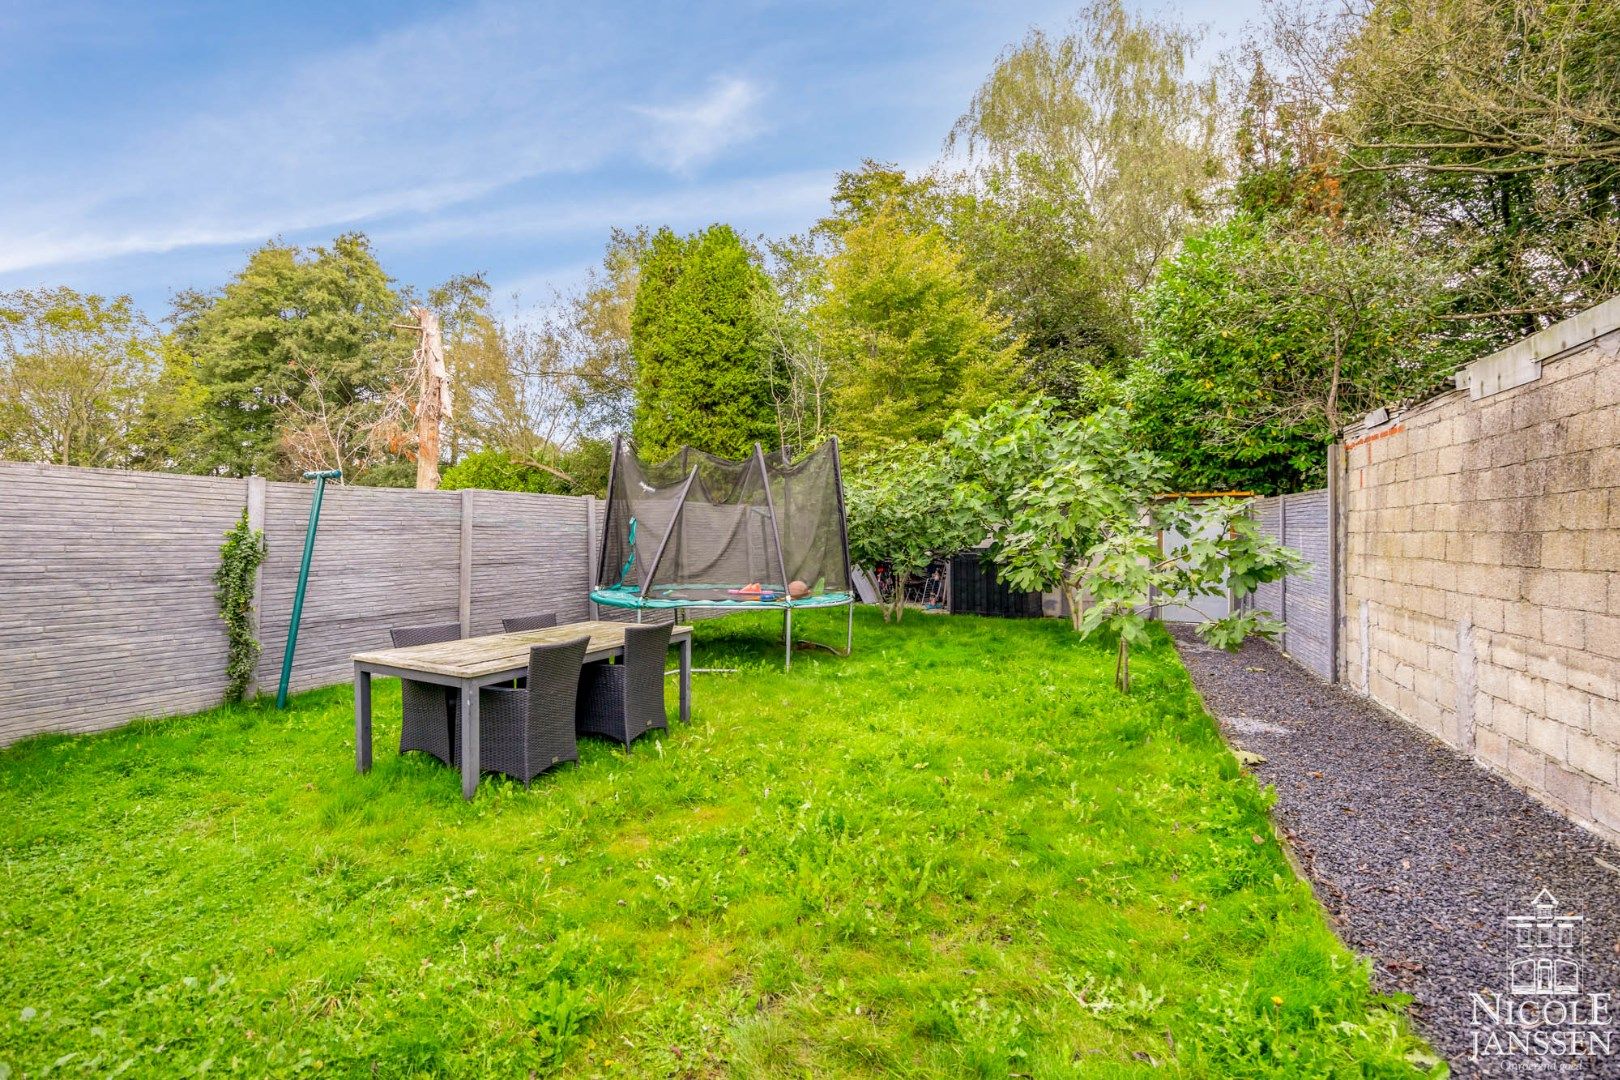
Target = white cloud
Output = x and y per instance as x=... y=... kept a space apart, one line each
x=415 y=120
x=791 y=196
x=694 y=132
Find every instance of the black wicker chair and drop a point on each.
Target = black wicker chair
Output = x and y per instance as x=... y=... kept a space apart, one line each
x=429 y=710
x=543 y=621
x=624 y=701
x=522 y=733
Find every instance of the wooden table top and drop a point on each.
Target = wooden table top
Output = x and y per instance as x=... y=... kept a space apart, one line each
x=476 y=657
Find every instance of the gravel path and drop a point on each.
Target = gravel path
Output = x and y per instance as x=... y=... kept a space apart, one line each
x=1417 y=854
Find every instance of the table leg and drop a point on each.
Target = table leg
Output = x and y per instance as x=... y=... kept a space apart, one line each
x=686 y=679
x=469 y=740
x=362 y=719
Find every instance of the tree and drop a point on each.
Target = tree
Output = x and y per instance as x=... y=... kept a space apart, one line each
x=1492 y=127
x=882 y=188
x=1044 y=486
x=1133 y=566
x=902 y=513
x=1111 y=104
x=168 y=434
x=1263 y=340
x=478 y=369
x=294 y=355
x=582 y=345
x=587 y=462
x=1283 y=89
x=581 y=469
x=798 y=367
x=1070 y=505
x=910 y=340
x=1025 y=235
x=498 y=470
x=76 y=372
x=698 y=345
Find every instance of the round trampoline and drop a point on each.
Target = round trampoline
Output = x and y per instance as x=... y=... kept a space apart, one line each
x=719 y=597
x=699 y=531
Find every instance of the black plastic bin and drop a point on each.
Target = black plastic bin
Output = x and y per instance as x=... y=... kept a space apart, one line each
x=975 y=590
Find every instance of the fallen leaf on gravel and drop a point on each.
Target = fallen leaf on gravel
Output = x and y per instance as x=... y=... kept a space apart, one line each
x=1421 y=1060
x=1254 y=669
x=1317 y=774
x=1406 y=864
x=1247 y=757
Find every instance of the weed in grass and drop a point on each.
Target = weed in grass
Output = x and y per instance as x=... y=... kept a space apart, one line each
x=958 y=852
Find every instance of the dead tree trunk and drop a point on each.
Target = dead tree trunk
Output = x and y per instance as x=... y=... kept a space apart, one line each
x=433 y=398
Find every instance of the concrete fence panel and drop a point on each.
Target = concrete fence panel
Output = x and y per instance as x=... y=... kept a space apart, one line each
x=107 y=608
x=1304 y=602
x=107 y=597
x=529 y=555
x=383 y=557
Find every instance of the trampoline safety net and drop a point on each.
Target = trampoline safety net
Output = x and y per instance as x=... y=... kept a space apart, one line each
x=701 y=531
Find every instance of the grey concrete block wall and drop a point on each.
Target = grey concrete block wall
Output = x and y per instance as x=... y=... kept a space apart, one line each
x=1481 y=586
x=107 y=608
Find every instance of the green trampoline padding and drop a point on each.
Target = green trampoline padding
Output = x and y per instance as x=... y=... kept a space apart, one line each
x=664 y=596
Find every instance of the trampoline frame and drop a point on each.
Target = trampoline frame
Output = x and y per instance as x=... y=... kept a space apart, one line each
x=627 y=597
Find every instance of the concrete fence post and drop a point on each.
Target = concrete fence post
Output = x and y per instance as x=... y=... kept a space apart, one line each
x=255 y=520
x=1282 y=534
x=1335 y=567
x=590 y=552
x=464 y=599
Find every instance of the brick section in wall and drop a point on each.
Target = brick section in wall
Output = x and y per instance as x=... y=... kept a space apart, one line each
x=1481 y=594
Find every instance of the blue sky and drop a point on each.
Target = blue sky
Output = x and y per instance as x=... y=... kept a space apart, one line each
x=149 y=146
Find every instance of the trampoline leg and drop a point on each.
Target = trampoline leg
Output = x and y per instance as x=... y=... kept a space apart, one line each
x=849 y=634
x=787 y=638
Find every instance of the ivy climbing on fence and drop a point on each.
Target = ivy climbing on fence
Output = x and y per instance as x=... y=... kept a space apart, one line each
x=239 y=559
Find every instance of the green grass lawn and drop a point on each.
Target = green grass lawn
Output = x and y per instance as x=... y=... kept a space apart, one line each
x=958 y=852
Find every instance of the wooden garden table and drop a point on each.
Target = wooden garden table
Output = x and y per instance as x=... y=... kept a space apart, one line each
x=473 y=663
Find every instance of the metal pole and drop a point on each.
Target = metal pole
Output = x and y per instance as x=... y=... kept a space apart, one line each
x=781 y=563
x=843 y=537
x=320 y=479
x=674 y=523
x=607 y=513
